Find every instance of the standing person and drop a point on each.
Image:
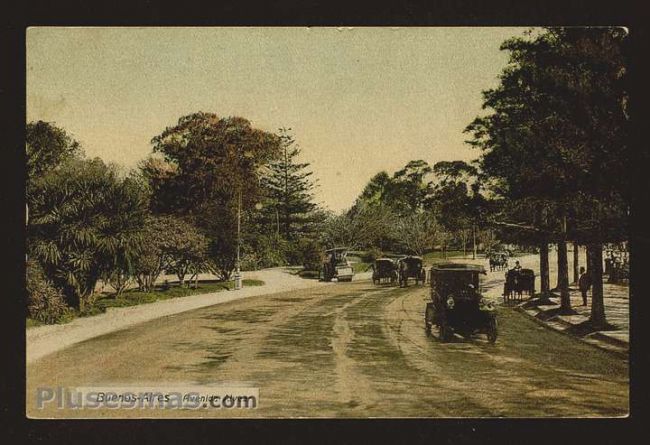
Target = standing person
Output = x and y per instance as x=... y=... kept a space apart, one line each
x=584 y=283
x=517 y=266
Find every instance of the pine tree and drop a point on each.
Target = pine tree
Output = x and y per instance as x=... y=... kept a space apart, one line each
x=290 y=209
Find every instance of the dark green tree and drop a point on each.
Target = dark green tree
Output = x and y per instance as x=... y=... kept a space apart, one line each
x=457 y=200
x=211 y=169
x=47 y=146
x=288 y=189
x=556 y=137
x=86 y=222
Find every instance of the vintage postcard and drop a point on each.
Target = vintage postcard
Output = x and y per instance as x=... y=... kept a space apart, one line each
x=320 y=222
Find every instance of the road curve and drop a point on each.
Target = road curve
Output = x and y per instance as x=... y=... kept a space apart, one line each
x=345 y=350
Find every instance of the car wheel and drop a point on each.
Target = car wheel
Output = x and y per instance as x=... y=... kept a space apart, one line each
x=492 y=330
x=428 y=318
x=444 y=331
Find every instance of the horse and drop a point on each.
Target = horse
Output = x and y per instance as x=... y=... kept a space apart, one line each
x=498 y=262
x=411 y=267
x=517 y=283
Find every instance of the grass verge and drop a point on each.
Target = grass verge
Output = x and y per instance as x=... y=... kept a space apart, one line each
x=133 y=298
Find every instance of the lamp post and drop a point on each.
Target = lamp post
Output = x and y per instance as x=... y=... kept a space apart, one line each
x=238 y=280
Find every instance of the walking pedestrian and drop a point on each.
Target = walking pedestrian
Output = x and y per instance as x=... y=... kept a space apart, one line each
x=584 y=283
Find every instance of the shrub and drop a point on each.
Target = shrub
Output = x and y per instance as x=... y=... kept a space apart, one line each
x=371 y=255
x=45 y=303
x=305 y=252
x=262 y=251
x=311 y=254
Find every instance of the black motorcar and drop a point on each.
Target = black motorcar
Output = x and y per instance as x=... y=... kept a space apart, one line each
x=457 y=305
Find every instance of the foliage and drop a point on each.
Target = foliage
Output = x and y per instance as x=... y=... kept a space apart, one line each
x=184 y=248
x=263 y=251
x=119 y=280
x=47 y=146
x=210 y=168
x=406 y=192
x=288 y=193
x=559 y=112
x=554 y=143
x=307 y=253
x=86 y=223
x=45 y=303
x=370 y=255
x=132 y=298
x=154 y=257
x=418 y=233
x=361 y=227
x=209 y=159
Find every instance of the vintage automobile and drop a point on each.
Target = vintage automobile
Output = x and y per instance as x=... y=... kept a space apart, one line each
x=336 y=265
x=384 y=270
x=519 y=282
x=457 y=304
x=410 y=267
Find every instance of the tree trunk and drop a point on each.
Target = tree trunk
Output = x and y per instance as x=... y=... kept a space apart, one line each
x=544 y=270
x=473 y=242
x=563 y=276
x=595 y=265
x=563 y=269
x=576 y=260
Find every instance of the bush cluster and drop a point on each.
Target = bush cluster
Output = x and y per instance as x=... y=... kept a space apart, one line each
x=371 y=255
x=45 y=303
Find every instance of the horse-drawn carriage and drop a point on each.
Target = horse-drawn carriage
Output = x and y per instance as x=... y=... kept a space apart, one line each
x=518 y=282
x=457 y=304
x=384 y=270
x=336 y=265
x=410 y=267
x=498 y=260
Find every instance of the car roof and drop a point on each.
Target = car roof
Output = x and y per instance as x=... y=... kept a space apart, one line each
x=384 y=259
x=458 y=267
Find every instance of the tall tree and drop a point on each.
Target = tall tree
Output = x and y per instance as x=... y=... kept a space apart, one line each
x=457 y=200
x=363 y=226
x=557 y=129
x=288 y=188
x=418 y=233
x=47 y=146
x=213 y=170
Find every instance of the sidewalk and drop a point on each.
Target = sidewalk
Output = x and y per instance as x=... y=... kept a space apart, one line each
x=43 y=340
x=617 y=310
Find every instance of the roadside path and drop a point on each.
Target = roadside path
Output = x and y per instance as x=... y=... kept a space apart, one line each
x=43 y=340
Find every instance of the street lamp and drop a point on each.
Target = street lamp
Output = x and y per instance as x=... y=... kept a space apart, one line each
x=238 y=280
x=238 y=277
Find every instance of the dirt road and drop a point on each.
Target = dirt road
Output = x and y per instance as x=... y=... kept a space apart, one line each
x=345 y=350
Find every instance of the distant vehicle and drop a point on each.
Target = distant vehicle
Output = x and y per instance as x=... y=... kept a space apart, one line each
x=457 y=304
x=336 y=265
x=519 y=282
x=410 y=267
x=498 y=260
x=384 y=269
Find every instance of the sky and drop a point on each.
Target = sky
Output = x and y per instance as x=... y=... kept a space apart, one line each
x=358 y=100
